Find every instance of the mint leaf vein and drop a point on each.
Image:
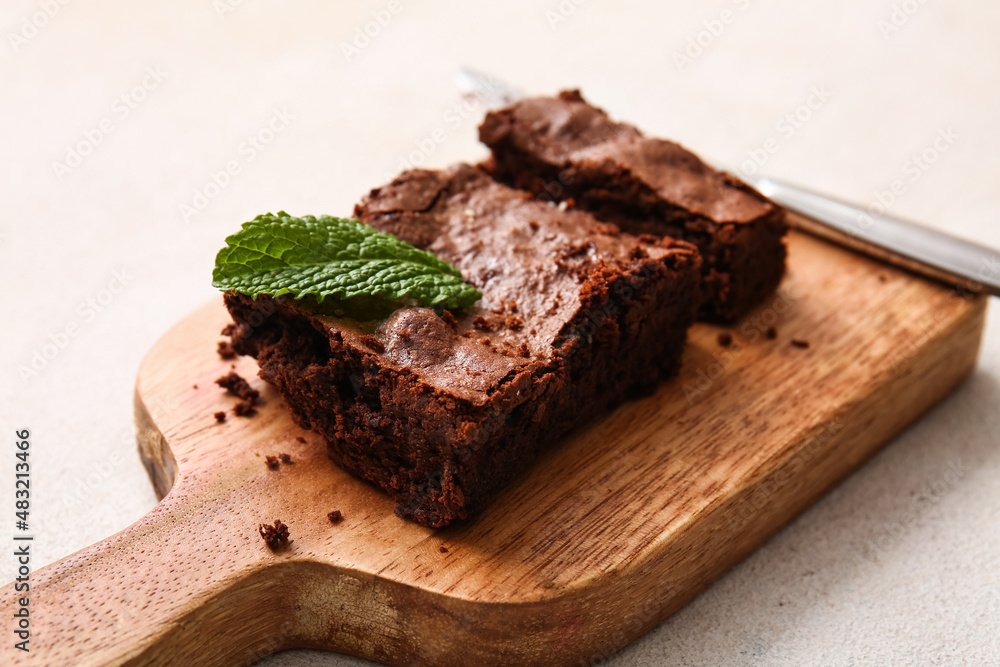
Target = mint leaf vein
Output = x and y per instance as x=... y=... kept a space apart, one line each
x=334 y=258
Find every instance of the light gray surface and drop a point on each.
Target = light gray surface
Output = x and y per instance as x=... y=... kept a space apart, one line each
x=899 y=565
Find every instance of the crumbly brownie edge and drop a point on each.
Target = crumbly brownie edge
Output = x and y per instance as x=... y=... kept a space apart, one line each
x=447 y=463
x=382 y=424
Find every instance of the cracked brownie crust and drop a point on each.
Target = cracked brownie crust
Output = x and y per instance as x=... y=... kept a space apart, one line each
x=563 y=149
x=442 y=409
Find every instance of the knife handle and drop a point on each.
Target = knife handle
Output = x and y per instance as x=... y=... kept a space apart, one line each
x=969 y=266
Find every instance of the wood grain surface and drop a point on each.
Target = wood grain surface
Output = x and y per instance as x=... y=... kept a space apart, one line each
x=605 y=536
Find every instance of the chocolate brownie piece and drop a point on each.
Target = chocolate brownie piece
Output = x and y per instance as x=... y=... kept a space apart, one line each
x=441 y=409
x=562 y=148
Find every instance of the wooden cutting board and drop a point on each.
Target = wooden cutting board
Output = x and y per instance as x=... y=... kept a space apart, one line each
x=605 y=536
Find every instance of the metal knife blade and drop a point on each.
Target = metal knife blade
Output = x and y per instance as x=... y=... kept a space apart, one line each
x=912 y=246
x=970 y=266
x=492 y=92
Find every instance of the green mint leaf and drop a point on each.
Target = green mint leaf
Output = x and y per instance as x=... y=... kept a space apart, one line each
x=339 y=259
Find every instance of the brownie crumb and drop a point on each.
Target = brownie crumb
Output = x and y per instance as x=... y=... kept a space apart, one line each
x=229 y=329
x=485 y=341
x=373 y=343
x=443 y=550
x=275 y=536
x=226 y=350
x=467 y=334
x=482 y=324
x=194 y=386
x=301 y=439
x=449 y=319
x=571 y=250
x=286 y=459
x=524 y=350
x=514 y=323
x=336 y=516
x=238 y=387
x=725 y=339
x=533 y=224
x=803 y=344
x=771 y=333
x=272 y=462
x=220 y=416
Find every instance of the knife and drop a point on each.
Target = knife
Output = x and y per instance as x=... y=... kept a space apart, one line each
x=969 y=266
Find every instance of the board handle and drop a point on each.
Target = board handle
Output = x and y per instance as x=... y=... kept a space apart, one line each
x=152 y=595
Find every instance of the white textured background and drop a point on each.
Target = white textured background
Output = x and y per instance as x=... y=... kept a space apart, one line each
x=842 y=585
